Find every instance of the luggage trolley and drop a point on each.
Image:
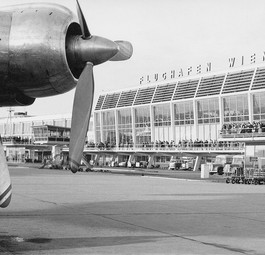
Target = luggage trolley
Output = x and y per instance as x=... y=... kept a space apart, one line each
x=249 y=175
x=228 y=173
x=259 y=172
x=235 y=175
x=238 y=176
x=259 y=176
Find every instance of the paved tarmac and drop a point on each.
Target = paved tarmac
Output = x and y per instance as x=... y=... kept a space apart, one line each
x=57 y=212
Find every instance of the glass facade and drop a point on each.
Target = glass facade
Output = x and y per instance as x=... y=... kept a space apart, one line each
x=162 y=115
x=208 y=111
x=108 y=127
x=183 y=113
x=259 y=107
x=153 y=122
x=27 y=128
x=17 y=128
x=142 y=125
x=41 y=132
x=236 y=108
x=125 y=126
x=162 y=159
x=147 y=124
x=60 y=123
x=22 y=126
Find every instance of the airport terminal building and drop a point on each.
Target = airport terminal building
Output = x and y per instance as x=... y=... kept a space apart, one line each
x=226 y=106
x=195 y=116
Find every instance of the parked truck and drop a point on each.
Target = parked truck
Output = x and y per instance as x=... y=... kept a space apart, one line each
x=220 y=163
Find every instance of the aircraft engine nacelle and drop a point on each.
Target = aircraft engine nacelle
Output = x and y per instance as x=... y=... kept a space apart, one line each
x=38 y=35
x=46 y=50
x=14 y=98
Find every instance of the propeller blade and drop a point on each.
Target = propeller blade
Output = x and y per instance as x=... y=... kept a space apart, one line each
x=125 y=51
x=82 y=107
x=82 y=21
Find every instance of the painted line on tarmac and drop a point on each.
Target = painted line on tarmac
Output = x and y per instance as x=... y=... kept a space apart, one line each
x=120 y=170
x=176 y=179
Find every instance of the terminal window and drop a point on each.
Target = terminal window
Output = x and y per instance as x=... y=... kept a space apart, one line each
x=162 y=115
x=208 y=111
x=259 y=107
x=142 y=125
x=236 y=108
x=108 y=127
x=125 y=126
x=183 y=113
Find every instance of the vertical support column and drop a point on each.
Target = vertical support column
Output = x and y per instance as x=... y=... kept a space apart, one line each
x=116 y=128
x=31 y=130
x=221 y=104
x=250 y=97
x=195 y=114
x=96 y=159
x=55 y=150
x=250 y=107
x=221 y=113
x=94 y=126
x=152 y=124
x=32 y=154
x=172 y=115
x=101 y=126
x=133 y=127
x=151 y=161
x=197 y=163
x=103 y=160
x=131 y=161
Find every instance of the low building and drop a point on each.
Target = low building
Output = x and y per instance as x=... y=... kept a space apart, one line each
x=31 y=138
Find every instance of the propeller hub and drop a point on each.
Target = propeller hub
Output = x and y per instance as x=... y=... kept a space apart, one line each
x=94 y=49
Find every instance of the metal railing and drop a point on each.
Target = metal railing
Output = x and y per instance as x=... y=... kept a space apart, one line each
x=15 y=140
x=242 y=133
x=219 y=146
x=51 y=139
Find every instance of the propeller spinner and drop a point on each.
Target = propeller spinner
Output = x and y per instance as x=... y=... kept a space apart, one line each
x=89 y=50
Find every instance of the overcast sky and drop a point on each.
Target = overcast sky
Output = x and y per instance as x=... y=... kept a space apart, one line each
x=166 y=35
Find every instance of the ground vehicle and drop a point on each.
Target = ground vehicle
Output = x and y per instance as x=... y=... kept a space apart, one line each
x=220 y=162
x=187 y=164
x=238 y=161
x=123 y=164
x=174 y=164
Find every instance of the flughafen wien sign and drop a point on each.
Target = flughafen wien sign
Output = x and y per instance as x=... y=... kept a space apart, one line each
x=181 y=72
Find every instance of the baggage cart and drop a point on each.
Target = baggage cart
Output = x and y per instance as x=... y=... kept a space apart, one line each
x=248 y=175
x=236 y=175
x=259 y=176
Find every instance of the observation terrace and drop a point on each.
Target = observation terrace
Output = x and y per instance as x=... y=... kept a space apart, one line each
x=212 y=149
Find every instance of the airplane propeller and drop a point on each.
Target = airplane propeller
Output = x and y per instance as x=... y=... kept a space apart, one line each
x=82 y=21
x=89 y=50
